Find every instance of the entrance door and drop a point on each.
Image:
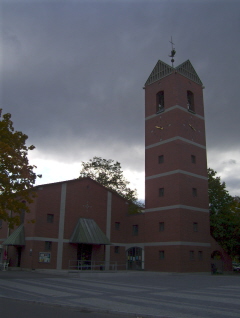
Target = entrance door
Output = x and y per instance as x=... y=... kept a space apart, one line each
x=19 y=255
x=84 y=255
x=134 y=258
x=216 y=262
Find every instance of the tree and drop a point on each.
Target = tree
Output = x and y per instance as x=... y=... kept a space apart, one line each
x=219 y=197
x=224 y=215
x=16 y=175
x=109 y=174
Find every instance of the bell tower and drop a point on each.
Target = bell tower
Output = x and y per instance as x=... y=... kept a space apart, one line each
x=177 y=210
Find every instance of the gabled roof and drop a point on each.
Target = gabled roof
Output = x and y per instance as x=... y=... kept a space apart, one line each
x=17 y=237
x=40 y=186
x=88 y=232
x=187 y=70
x=162 y=70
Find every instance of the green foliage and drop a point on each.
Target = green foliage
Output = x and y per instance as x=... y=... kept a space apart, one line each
x=224 y=215
x=219 y=197
x=135 y=208
x=109 y=174
x=16 y=175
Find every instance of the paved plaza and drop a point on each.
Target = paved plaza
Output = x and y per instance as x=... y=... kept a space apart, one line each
x=141 y=294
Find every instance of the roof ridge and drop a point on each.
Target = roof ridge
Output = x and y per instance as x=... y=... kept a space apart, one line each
x=186 y=69
x=163 y=69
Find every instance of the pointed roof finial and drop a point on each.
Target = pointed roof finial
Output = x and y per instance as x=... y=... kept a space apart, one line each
x=173 y=52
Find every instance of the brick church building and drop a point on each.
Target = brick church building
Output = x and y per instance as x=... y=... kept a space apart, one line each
x=81 y=223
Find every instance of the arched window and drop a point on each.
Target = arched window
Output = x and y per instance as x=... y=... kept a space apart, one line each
x=190 y=101
x=160 y=101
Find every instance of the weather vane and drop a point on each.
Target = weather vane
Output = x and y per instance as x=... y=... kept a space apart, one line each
x=173 y=52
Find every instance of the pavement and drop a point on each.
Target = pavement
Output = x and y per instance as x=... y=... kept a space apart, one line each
x=11 y=308
x=130 y=293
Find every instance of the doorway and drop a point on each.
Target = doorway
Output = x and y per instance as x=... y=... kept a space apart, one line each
x=19 y=255
x=84 y=256
x=134 y=258
x=217 y=263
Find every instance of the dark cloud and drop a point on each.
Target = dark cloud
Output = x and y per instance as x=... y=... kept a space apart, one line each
x=230 y=161
x=72 y=72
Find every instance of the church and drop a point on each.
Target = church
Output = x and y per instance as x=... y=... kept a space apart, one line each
x=80 y=224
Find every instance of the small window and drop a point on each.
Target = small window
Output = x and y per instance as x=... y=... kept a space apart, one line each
x=200 y=255
x=48 y=246
x=190 y=101
x=161 y=255
x=161 y=226
x=195 y=227
x=50 y=218
x=117 y=226
x=135 y=230
x=161 y=159
x=194 y=192
x=193 y=159
x=161 y=192
x=0 y=223
x=116 y=249
x=191 y=255
x=160 y=102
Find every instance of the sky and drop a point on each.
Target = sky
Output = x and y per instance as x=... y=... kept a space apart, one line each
x=73 y=72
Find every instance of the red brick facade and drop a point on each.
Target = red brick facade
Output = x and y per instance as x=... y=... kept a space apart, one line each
x=172 y=234
x=176 y=172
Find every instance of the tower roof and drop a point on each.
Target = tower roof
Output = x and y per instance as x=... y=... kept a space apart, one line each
x=162 y=70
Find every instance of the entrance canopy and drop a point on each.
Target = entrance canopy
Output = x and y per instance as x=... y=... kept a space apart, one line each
x=88 y=232
x=17 y=237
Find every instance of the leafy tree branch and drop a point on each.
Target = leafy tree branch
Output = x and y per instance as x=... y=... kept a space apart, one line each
x=110 y=174
x=16 y=175
x=224 y=215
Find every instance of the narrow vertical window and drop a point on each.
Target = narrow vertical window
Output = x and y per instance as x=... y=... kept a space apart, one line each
x=200 y=255
x=135 y=230
x=161 y=255
x=161 y=192
x=117 y=226
x=195 y=227
x=160 y=101
x=161 y=159
x=190 y=101
x=50 y=218
x=22 y=215
x=48 y=246
x=161 y=226
x=194 y=192
x=116 y=249
x=193 y=159
x=191 y=255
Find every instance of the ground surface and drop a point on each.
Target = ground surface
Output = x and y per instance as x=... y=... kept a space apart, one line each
x=141 y=294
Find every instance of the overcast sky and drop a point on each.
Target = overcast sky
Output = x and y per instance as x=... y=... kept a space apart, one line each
x=72 y=74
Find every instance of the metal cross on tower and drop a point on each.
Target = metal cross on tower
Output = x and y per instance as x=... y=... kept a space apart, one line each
x=173 y=52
